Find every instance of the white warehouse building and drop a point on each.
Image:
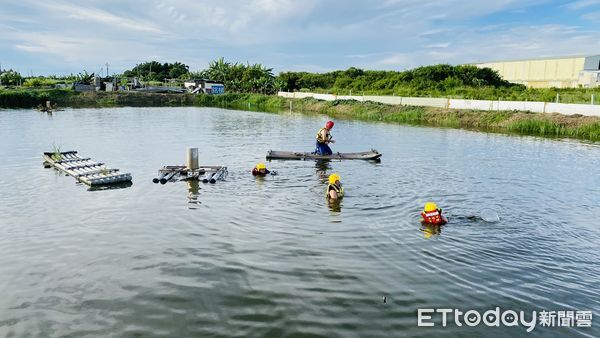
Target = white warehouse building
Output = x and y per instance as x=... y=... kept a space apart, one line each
x=558 y=72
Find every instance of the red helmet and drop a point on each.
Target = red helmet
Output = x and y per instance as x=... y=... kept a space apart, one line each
x=329 y=124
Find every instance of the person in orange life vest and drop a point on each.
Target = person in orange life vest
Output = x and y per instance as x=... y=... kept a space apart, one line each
x=433 y=215
x=323 y=140
x=260 y=170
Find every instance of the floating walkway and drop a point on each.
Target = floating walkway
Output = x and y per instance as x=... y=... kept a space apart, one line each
x=84 y=170
x=372 y=155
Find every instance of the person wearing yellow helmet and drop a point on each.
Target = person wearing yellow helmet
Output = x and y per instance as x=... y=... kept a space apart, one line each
x=334 y=188
x=260 y=170
x=433 y=215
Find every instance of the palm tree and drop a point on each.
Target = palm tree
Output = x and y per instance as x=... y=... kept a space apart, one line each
x=219 y=70
x=278 y=84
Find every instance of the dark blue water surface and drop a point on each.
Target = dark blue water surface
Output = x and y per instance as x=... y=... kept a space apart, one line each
x=251 y=257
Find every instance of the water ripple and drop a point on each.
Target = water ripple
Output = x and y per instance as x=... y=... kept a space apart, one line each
x=268 y=257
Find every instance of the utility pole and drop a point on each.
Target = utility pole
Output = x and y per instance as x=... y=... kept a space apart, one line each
x=107 y=69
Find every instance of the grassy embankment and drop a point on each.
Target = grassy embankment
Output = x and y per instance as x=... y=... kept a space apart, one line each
x=536 y=124
x=565 y=95
x=67 y=98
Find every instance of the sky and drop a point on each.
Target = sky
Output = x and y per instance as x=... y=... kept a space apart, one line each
x=61 y=37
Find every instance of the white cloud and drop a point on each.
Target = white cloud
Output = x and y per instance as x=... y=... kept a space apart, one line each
x=400 y=60
x=592 y=16
x=285 y=34
x=89 y=16
x=438 y=45
x=581 y=4
x=30 y=48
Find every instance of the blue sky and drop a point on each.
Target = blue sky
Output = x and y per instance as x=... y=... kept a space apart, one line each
x=64 y=36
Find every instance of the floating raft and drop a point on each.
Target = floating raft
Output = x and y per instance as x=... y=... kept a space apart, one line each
x=290 y=155
x=84 y=169
x=206 y=174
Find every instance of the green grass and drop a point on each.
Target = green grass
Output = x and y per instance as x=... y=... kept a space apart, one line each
x=547 y=128
x=241 y=101
x=56 y=153
x=29 y=98
x=537 y=127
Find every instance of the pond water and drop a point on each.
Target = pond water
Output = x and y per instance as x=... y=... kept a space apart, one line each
x=251 y=257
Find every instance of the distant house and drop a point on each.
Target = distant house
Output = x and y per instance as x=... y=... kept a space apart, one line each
x=83 y=87
x=204 y=86
x=96 y=83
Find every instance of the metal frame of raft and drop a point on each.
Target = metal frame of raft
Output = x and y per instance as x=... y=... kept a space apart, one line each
x=205 y=174
x=372 y=155
x=85 y=170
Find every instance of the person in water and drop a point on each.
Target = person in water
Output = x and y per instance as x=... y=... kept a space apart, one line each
x=324 y=139
x=260 y=170
x=334 y=188
x=433 y=215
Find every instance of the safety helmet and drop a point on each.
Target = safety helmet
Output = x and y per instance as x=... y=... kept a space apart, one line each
x=334 y=178
x=261 y=166
x=430 y=206
x=329 y=124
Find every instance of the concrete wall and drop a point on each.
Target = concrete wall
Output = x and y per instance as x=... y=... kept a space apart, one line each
x=536 y=107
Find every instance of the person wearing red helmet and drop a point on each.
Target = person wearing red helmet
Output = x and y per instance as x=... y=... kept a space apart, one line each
x=323 y=140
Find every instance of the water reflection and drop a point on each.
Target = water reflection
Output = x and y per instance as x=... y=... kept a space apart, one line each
x=321 y=169
x=113 y=186
x=132 y=261
x=193 y=187
x=431 y=230
x=334 y=205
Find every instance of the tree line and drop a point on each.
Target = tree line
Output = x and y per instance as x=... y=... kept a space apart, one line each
x=461 y=81
x=257 y=78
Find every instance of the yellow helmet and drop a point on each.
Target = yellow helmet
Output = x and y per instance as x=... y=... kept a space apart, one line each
x=261 y=166
x=333 y=178
x=430 y=206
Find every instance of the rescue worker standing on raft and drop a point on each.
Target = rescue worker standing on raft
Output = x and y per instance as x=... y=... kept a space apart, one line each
x=334 y=188
x=323 y=140
x=433 y=215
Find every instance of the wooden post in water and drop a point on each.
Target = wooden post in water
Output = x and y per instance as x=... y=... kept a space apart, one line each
x=192 y=158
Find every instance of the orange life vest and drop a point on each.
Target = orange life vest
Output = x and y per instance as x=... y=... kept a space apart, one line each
x=433 y=217
x=320 y=136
